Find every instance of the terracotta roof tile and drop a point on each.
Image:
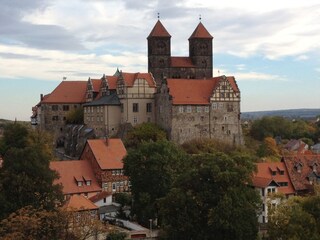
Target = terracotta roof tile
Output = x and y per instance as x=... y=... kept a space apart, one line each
x=181 y=62
x=130 y=78
x=70 y=171
x=100 y=196
x=200 y=32
x=300 y=167
x=159 y=31
x=79 y=202
x=96 y=83
x=195 y=91
x=108 y=153
x=68 y=92
x=263 y=176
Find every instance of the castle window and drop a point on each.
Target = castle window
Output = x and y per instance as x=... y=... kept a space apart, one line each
x=206 y=109
x=220 y=105
x=222 y=95
x=65 y=107
x=85 y=110
x=230 y=107
x=135 y=120
x=55 y=118
x=54 y=108
x=135 y=107
x=199 y=109
x=180 y=109
x=214 y=105
x=149 y=107
x=189 y=109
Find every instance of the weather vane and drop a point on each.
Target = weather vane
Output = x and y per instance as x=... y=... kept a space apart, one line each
x=158 y=15
x=200 y=17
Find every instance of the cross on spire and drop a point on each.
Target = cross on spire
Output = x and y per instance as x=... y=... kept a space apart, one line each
x=158 y=15
x=200 y=17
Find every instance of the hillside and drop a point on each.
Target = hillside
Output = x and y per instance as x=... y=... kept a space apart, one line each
x=289 y=113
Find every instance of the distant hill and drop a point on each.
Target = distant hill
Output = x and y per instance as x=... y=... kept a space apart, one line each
x=290 y=113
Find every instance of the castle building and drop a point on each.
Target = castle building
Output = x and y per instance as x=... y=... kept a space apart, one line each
x=178 y=93
x=200 y=108
x=198 y=64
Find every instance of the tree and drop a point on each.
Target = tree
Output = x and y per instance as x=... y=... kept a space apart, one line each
x=25 y=178
x=75 y=116
x=295 y=218
x=32 y=224
x=116 y=236
x=152 y=168
x=268 y=148
x=212 y=198
x=144 y=132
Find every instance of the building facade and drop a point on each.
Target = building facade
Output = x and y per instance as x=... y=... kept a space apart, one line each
x=177 y=93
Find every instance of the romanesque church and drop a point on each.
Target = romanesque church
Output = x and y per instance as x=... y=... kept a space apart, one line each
x=179 y=93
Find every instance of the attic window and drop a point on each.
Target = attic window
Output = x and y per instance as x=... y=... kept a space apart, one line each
x=79 y=183
x=88 y=182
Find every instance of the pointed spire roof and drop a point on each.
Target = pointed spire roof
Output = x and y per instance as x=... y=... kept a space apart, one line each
x=200 y=32
x=159 y=31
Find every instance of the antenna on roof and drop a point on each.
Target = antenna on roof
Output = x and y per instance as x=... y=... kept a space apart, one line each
x=200 y=17
x=64 y=78
x=158 y=15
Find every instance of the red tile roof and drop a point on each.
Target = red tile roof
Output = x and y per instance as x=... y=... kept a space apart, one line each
x=200 y=32
x=300 y=179
x=130 y=78
x=96 y=83
x=159 y=31
x=112 y=81
x=79 y=202
x=68 y=92
x=263 y=176
x=181 y=62
x=69 y=171
x=195 y=91
x=100 y=196
x=108 y=153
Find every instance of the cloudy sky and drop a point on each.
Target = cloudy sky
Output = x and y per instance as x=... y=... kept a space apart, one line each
x=271 y=47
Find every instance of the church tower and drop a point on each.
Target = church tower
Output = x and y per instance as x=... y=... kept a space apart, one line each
x=159 y=52
x=200 y=51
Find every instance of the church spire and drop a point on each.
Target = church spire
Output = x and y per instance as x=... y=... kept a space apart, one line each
x=159 y=31
x=200 y=31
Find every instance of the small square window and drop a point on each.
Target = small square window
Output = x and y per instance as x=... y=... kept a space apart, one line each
x=135 y=107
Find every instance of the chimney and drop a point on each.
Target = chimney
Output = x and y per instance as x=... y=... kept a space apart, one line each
x=41 y=97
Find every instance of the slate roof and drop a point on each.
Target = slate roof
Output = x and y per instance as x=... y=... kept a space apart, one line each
x=195 y=91
x=70 y=171
x=200 y=32
x=111 y=99
x=108 y=153
x=159 y=31
x=263 y=177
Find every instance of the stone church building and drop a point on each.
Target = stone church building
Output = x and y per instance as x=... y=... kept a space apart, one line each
x=178 y=93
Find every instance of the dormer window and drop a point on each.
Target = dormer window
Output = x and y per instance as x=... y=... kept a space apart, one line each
x=298 y=167
x=273 y=171
x=79 y=183
x=88 y=182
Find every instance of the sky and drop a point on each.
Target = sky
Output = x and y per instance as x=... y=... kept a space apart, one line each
x=271 y=47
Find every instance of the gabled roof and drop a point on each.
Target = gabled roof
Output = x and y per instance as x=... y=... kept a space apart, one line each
x=130 y=78
x=299 y=167
x=195 y=91
x=181 y=62
x=263 y=177
x=68 y=92
x=79 y=203
x=69 y=171
x=100 y=196
x=108 y=153
x=200 y=32
x=96 y=83
x=159 y=31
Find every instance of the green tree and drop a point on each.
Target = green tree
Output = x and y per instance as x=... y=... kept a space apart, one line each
x=212 y=199
x=269 y=148
x=152 y=168
x=294 y=219
x=116 y=236
x=75 y=116
x=143 y=133
x=25 y=178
